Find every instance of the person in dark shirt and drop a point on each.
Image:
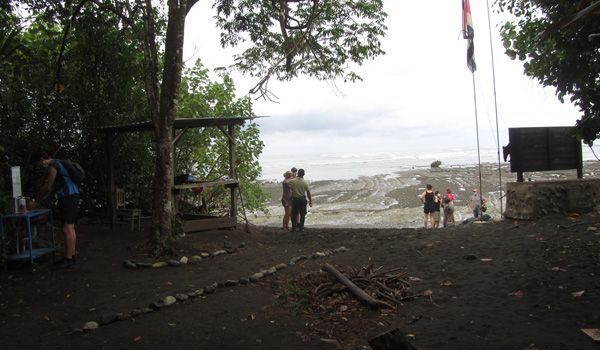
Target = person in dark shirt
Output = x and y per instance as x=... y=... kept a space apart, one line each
x=300 y=192
x=428 y=199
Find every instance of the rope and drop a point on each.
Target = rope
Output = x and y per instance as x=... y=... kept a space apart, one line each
x=495 y=104
x=477 y=131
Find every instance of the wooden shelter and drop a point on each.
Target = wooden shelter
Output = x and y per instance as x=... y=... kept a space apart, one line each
x=181 y=125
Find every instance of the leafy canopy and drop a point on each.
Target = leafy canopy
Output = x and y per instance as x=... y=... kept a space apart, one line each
x=203 y=152
x=557 y=53
x=316 y=38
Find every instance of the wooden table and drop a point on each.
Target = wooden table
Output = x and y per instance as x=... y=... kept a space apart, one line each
x=194 y=222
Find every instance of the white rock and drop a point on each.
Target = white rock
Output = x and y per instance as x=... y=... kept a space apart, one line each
x=257 y=276
x=90 y=326
x=219 y=252
x=169 y=300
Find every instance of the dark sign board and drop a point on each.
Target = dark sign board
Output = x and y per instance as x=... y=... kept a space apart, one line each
x=544 y=148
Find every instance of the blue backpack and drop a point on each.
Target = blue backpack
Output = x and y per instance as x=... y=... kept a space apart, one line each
x=75 y=170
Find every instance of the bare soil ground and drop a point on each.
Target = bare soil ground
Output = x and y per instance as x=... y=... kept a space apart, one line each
x=500 y=285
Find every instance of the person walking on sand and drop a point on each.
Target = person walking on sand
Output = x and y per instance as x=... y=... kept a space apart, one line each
x=448 y=203
x=286 y=199
x=300 y=192
x=427 y=197
x=59 y=183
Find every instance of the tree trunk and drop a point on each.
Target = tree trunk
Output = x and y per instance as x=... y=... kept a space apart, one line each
x=163 y=180
x=163 y=127
x=162 y=103
x=163 y=109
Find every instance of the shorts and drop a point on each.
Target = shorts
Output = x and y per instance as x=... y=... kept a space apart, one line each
x=436 y=215
x=68 y=207
x=428 y=208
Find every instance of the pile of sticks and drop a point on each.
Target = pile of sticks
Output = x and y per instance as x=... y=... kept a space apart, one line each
x=371 y=286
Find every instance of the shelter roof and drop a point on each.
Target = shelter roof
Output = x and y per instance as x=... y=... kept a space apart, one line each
x=179 y=123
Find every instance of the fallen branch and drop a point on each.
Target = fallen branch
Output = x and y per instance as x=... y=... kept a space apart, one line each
x=358 y=292
x=321 y=287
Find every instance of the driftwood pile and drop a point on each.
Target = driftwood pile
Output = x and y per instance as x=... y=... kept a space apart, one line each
x=373 y=287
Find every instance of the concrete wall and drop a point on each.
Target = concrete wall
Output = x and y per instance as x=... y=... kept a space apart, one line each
x=530 y=200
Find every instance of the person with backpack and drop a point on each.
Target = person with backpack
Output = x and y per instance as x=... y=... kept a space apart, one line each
x=478 y=204
x=448 y=204
x=65 y=188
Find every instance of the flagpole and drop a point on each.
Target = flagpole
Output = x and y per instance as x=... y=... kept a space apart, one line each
x=469 y=34
x=477 y=132
x=495 y=106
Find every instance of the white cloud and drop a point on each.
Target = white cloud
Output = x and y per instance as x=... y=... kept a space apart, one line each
x=419 y=95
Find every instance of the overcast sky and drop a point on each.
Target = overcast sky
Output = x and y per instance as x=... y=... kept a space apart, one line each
x=417 y=97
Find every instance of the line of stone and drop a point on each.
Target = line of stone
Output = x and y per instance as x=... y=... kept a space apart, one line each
x=184 y=260
x=169 y=300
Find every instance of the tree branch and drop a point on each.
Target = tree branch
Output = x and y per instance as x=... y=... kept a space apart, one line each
x=103 y=6
x=64 y=43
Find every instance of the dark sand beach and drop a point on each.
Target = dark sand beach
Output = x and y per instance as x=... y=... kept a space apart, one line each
x=495 y=285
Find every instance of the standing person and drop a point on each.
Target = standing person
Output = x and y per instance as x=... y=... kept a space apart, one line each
x=286 y=199
x=448 y=207
x=300 y=192
x=476 y=203
x=59 y=183
x=427 y=197
x=437 y=201
x=294 y=175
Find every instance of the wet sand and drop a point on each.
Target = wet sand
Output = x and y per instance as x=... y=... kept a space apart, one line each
x=390 y=200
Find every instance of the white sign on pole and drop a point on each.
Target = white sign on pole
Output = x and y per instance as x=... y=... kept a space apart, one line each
x=16 y=181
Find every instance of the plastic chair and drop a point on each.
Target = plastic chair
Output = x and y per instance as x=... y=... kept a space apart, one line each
x=124 y=214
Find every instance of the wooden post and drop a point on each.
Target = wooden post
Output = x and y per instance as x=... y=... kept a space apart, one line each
x=579 y=159
x=109 y=139
x=174 y=194
x=232 y=172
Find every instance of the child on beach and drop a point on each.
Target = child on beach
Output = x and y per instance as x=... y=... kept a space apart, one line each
x=427 y=197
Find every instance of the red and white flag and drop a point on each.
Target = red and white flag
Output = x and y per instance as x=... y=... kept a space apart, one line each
x=469 y=34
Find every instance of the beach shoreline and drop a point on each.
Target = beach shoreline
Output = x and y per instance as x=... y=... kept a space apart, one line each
x=391 y=200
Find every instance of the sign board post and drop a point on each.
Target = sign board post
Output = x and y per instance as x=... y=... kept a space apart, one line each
x=16 y=186
x=544 y=149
